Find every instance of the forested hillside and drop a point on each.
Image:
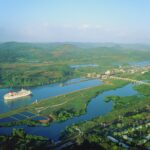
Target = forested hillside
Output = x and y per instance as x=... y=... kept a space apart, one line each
x=29 y=64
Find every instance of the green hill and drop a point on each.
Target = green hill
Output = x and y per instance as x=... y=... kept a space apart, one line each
x=29 y=64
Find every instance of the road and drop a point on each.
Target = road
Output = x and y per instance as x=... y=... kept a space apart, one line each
x=131 y=80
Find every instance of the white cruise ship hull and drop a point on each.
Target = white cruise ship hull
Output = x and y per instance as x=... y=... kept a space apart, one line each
x=17 y=95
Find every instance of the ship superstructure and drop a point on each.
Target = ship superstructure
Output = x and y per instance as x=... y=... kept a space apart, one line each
x=15 y=95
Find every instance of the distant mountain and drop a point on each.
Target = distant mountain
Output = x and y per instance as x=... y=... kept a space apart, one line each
x=23 y=52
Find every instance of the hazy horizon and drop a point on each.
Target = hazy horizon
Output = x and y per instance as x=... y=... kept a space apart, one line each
x=74 y=42
x=87 y=21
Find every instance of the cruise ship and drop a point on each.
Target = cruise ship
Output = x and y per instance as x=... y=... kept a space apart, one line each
x=15 y=95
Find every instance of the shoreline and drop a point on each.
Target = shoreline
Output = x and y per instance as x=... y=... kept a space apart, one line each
x=55 y=99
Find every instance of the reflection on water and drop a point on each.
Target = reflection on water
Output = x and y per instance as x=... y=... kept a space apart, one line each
x=16 y=100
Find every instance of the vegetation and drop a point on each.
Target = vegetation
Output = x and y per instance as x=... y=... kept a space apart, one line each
x=128 y=125
x=143 y=90
x=112 y=98
x=68 y=105
x=19 y=140
x=86 y=145
x=28 y=122
x=30 y=64
x=16 y=75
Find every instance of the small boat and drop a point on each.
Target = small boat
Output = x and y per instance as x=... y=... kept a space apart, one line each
x=14 y=95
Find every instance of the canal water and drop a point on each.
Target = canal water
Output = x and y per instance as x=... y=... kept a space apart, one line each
x=141 y=63
x=42 y=92
x=96 y=107
x=83 y=66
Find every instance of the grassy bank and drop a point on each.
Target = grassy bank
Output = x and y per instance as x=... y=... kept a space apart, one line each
x=129 y=120
x=66 y=106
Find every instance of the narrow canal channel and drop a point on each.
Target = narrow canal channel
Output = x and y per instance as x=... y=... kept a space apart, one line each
x=96 y=107
x=42 y=92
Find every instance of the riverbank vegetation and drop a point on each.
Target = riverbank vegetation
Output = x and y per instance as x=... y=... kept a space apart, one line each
x=32 y=64
x=127 y=125
x=23 y=74
x=69 y=105
x=137 y=76
x=22 y=141
x=28 y=122
x=143 y=90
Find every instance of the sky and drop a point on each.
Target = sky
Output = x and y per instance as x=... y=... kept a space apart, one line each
x=122 y=21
